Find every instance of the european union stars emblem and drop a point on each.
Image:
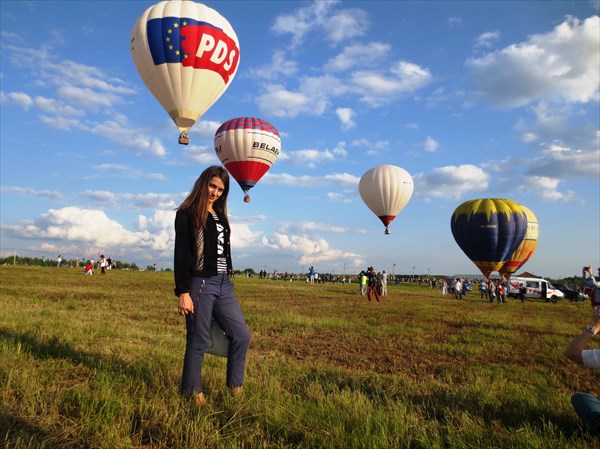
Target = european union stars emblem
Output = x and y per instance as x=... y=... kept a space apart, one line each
x=164 y=38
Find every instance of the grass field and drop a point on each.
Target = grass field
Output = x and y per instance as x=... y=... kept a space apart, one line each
x=95 y=362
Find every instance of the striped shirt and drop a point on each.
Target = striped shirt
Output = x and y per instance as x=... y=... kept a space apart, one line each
x=221 y=260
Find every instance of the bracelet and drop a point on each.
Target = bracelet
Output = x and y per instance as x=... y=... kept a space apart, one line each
x=591 y=330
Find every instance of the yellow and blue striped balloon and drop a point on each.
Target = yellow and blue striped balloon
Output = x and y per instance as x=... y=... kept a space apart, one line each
x=489 y=230
x=525 y=250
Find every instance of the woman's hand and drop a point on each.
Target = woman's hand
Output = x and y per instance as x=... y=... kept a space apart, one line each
x=185 y=304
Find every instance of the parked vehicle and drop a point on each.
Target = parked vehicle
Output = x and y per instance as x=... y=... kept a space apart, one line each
x=570 y=294
x=536 y=288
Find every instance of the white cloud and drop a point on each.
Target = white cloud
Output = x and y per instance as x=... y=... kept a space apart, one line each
x=310 y=158
x=280 y=102
x=205 y=129
x=81 y=225
x=242 y=236
x=377 y=89
x=21 y=99
x=280 y=66
x=451 y=181
x=431 y=145
x=309 y=227
x=88 y=98
x=358 y=55
x=347 y=24
x=341 y=179
x=561 y=65
x=371 y=148
x=203 y=155
x=55 y=113
x=58 y=107
x=454 y=22
x=529 y=137
x=487 y=39
x=308 y=250
x=28 y=191
x=558 y=161
x=346 y=116
x=129 y=137
x=133 y=201
x=92 y=232
x=547 y=188
x=319 y=20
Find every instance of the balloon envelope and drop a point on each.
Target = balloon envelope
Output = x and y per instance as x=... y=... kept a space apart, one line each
x=386 y=190
x=525 y=249
x=489 y=230
x=247 y=147
x=187 y=55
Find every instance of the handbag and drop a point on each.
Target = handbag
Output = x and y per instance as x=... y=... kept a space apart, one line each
x=219 y=343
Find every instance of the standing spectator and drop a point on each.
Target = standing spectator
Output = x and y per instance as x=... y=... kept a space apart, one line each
x=444 y=286
x=311 y=275
x=522 y=291
x=458 y=289
x=363 y=283
x=384 y=278
x=58 y=261
x=483 y=290
x=491 y=288
x=203 y=265
x=372 y=284
x=586 y=405
x=102 y=263
x=500 y=292
x=589 y=282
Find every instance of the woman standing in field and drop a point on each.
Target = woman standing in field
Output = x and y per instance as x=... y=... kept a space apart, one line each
x=202 y=268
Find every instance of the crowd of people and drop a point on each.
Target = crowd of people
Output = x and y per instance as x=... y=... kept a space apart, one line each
x=103 y=264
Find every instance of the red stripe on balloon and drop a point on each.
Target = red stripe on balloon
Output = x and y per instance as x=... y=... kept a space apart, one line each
x=247 y=170
x=386 y=219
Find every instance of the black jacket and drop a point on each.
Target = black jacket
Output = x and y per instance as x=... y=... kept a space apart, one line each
x=196 y=250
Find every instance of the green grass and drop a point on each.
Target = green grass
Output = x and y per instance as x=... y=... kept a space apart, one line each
x=95 y=362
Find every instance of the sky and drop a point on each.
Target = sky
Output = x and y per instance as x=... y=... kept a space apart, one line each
x=474 y=99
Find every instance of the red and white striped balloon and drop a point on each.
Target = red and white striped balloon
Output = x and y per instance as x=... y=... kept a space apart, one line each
x=247 y=147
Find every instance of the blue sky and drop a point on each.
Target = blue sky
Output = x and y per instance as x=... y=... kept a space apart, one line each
x=473 y=99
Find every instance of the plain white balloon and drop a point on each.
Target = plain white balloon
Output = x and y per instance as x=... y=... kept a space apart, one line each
x=386 y=190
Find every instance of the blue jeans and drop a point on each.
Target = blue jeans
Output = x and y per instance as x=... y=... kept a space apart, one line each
x=213 y=297
x=588 y=409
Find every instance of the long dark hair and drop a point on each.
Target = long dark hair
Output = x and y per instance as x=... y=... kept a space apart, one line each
x=197 y=199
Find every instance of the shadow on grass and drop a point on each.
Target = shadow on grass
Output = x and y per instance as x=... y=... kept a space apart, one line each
x=54 y=348
x=13 y=429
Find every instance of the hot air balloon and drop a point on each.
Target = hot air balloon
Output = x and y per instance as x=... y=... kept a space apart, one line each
x=489 y=230
x=247 y=147
x=187 y=55
x=525 y=249
x=386 y=190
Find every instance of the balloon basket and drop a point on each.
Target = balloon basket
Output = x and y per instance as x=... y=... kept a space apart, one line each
x=387 y=231
x=184 y=139
x=246 y=198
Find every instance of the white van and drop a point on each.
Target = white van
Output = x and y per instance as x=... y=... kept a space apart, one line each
x=536 y=288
